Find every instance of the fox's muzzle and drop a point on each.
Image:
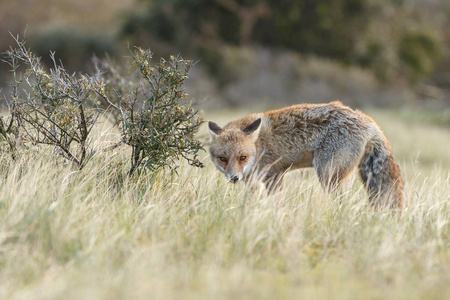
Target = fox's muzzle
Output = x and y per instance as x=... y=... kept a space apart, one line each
x=234 y=178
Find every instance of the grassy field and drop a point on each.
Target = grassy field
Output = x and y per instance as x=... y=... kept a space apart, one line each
x=94 y=235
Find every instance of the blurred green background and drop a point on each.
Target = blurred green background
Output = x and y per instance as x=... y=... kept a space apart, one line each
x=263 y=53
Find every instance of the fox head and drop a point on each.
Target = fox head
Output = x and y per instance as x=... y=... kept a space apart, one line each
x=233 y=150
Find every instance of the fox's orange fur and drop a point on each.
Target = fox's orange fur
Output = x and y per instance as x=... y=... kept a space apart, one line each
x=332 y=138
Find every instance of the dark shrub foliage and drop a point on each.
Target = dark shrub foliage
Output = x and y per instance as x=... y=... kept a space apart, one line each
x=74 y=47
x=371 y=34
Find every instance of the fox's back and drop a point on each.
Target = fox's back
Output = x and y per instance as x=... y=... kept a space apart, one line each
x=293 y=133
x=306 y=118
x=311 y=116
x=305 y=123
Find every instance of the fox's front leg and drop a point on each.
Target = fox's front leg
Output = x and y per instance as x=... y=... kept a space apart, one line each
x=273 y=182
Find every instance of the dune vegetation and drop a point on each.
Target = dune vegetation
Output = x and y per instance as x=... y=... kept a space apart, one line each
x=97 y=233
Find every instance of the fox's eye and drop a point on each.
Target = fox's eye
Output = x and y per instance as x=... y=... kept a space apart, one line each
x=223 y=159
x=243 y=158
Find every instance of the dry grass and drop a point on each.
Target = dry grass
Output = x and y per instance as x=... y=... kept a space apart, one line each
x=96 y=234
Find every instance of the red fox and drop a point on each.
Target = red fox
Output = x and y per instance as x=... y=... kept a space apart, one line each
x=331 y=138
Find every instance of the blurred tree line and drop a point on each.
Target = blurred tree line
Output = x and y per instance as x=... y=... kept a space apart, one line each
x=400 y=41
x=394 y=38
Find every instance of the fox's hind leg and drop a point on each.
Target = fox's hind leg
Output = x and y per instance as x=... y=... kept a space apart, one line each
x=336 y=156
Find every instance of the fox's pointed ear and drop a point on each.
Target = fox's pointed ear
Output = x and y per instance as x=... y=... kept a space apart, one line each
x=214 y=129
x=253 y=129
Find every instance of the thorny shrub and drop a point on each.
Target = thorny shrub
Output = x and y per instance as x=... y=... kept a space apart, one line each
x=157 y=120
x=53 y=107
x=56 y=108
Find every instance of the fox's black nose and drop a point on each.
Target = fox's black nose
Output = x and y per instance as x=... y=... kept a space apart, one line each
x=234 y=179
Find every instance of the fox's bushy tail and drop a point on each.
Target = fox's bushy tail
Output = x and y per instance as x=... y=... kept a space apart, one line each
x=381 y=174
